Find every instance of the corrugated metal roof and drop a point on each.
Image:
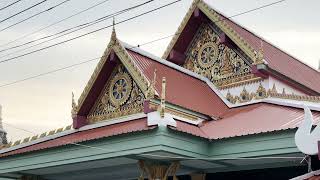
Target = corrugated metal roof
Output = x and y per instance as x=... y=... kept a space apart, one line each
x=92 y=134
x=279 y=60
x=181 y=89
x=251 y=119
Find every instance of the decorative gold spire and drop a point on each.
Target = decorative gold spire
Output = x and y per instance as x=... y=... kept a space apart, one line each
x=113 y=34
x=163 y=98
x=152 y=87
x=260 y=55
x=74 y=106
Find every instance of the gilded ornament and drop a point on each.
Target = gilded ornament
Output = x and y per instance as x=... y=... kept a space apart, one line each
x=115 y=101
x=74 y=106
x=261 y=92
x=208 y=55
x=245 y=95
x=215 y=61
x=119 y=91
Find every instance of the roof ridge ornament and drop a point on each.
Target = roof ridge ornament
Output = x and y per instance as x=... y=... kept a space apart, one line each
x=259 y=55
x=74 y=106
x=151 y=91
x=3 y=133
x=113 y=34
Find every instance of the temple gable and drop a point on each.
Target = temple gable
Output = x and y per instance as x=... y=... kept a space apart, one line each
x=120 y=96
x=208 y=56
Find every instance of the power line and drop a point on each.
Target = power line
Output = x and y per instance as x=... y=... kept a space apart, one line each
x=35 y=15
x=5 y=19
x=101 y=19
x=91 y=32
x=49 y=72
x=83 y=62
x=55 y=23
x=9 y=5
x=77 y=28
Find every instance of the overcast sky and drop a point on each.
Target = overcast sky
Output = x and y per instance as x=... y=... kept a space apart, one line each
x=44 y=103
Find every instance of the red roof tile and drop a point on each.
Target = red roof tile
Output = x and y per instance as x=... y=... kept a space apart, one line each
x=182 y=89
x=279 y=60
x=251 y=119
x=78 y=137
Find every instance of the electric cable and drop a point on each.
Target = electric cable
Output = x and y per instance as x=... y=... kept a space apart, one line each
x=55 y=23
x=83 y=62
x=35 y=15
x=37 y=4
x=5 y=7
x=76 y=28
x=88 y=33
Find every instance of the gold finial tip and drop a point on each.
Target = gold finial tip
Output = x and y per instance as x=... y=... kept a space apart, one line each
x=113 y=34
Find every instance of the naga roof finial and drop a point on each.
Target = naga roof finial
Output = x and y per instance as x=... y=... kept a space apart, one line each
x=260 y=54
x=3 y=133
x=152 y=87
x=74 y=106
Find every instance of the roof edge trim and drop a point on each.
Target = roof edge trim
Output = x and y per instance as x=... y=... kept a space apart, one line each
x=72 y=131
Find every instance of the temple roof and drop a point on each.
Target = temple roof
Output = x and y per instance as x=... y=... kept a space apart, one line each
x=248 y=120
x=279 y=63
x=182 y=89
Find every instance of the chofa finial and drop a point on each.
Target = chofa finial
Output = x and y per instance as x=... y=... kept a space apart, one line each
x=163 y=98
x=151 y=91
x=74 y=106
x=260 y=54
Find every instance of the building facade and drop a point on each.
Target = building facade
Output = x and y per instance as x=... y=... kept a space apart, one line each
x=221 y=103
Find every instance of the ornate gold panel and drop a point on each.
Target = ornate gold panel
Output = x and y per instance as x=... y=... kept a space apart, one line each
x=121 y=96
x=208 y=57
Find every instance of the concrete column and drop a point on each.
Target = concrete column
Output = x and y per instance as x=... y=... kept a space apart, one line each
x=157 y=170
x=198 y=176
x=31 y=177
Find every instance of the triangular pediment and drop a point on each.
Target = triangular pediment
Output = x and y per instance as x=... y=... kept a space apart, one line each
x=208 y=56
x=116 y=88
x=120 y=96
x=204 y=43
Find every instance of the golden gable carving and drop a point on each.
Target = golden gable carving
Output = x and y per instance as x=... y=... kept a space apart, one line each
x=121 y=96
x=219 y=63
